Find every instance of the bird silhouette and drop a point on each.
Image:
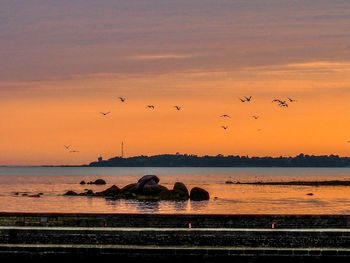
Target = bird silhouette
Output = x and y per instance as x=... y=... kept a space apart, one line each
x=255 y=117
x=281 y=103
x=225 y=116
x=177 y=107
x=66 y=146
x=105 y=113
x=121 y=99
x=242 y=100
x=248 y=98
x=224 y=127
x=150 y=106
x=292 y=100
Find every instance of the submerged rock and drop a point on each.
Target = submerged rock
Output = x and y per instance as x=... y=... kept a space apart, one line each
x=199 y=194
x=71 y=193
x=35 y=195
x=98 y=182
x=82 y=182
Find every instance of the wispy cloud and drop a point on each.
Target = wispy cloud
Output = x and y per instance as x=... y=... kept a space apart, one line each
x=161 y=56
x=305 y=67
x=320 y=66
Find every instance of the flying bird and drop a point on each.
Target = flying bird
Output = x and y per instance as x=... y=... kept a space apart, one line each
x=276 y=100
x=292 y=100
x=248 y=98
x=177 y=107
x=225 y=116
x=242 y=100
x=105 y=113
x=281 y=103
x=66 y=146
x=121 y=99
x=255 y=117
x=224 y=127
x=150 y=106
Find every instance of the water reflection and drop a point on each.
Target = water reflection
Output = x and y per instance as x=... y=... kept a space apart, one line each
x=199 y=205
x=233 y=198
x=147 y=206
x=181 y=206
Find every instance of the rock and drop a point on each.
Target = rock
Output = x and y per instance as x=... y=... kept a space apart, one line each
x=129 y=188
x=113 y=191
x=128 y=191
x=180 y=192
x=89 y=193
x=34 y=195
x=146 y=180
x=154 y=189
x=98 y=182
x=310 y=194
x=199 y=194
x=82 y=182
x=71 y=193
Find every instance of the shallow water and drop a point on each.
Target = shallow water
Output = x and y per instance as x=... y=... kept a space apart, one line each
x=231 y=198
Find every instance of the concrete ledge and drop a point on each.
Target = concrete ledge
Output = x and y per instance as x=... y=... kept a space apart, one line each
x=155 y=253
x=269 y=238
x=174 y=220
x=155 y=238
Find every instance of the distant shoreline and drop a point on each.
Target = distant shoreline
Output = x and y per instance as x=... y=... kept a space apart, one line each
x=190 y=160
x=302 y=183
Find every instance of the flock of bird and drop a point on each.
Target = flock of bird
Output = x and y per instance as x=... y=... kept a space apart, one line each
x=281 y=103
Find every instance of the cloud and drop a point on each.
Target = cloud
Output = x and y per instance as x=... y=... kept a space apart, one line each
x=161 y=56
x=314 y=67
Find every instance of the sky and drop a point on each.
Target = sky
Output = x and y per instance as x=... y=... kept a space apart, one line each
x=64 y=62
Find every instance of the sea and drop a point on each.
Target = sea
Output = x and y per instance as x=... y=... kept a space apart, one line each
x=17 y=184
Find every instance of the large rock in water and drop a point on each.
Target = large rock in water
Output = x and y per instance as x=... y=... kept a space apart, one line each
x=199 y=194
x=128 y=191
x=154 y=190
x=146 y=180
x=179 y=192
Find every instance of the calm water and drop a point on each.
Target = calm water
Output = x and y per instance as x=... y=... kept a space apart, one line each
x=231 y=199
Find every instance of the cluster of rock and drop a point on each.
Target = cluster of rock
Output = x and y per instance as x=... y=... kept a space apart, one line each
x=97 y=182
x=147 y=188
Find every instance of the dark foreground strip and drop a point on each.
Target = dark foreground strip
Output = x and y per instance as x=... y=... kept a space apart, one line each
x=154 y=253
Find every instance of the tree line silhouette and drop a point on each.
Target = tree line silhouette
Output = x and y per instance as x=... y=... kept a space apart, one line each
x=190 y=160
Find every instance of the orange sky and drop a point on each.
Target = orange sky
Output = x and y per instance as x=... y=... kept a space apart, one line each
x=56 y=78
